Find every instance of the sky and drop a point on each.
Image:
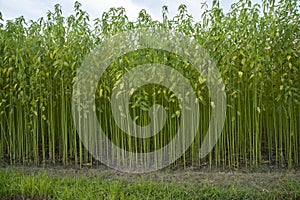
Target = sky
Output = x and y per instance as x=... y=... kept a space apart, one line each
x=34 y=9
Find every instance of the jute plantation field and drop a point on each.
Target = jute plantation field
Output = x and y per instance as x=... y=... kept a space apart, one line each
x=257 y=156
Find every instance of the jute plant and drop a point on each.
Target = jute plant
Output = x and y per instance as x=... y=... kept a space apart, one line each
x=256 y=49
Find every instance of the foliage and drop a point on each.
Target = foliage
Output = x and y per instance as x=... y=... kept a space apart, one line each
x=256 y=48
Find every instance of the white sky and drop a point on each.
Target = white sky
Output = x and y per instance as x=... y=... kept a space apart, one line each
x=34 y=9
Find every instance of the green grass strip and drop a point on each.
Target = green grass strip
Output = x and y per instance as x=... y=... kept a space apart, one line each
x=17 y=185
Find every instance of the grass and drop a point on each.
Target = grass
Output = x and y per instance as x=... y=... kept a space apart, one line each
x=101 y=183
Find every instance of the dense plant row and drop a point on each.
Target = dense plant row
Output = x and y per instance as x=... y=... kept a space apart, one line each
x=256 y=49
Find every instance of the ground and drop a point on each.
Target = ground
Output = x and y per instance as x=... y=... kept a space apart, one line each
x=58 y=182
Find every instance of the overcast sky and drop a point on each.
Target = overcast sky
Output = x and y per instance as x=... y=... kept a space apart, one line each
x=34 y=9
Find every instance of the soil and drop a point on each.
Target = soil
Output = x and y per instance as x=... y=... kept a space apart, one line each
x=262 y=179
